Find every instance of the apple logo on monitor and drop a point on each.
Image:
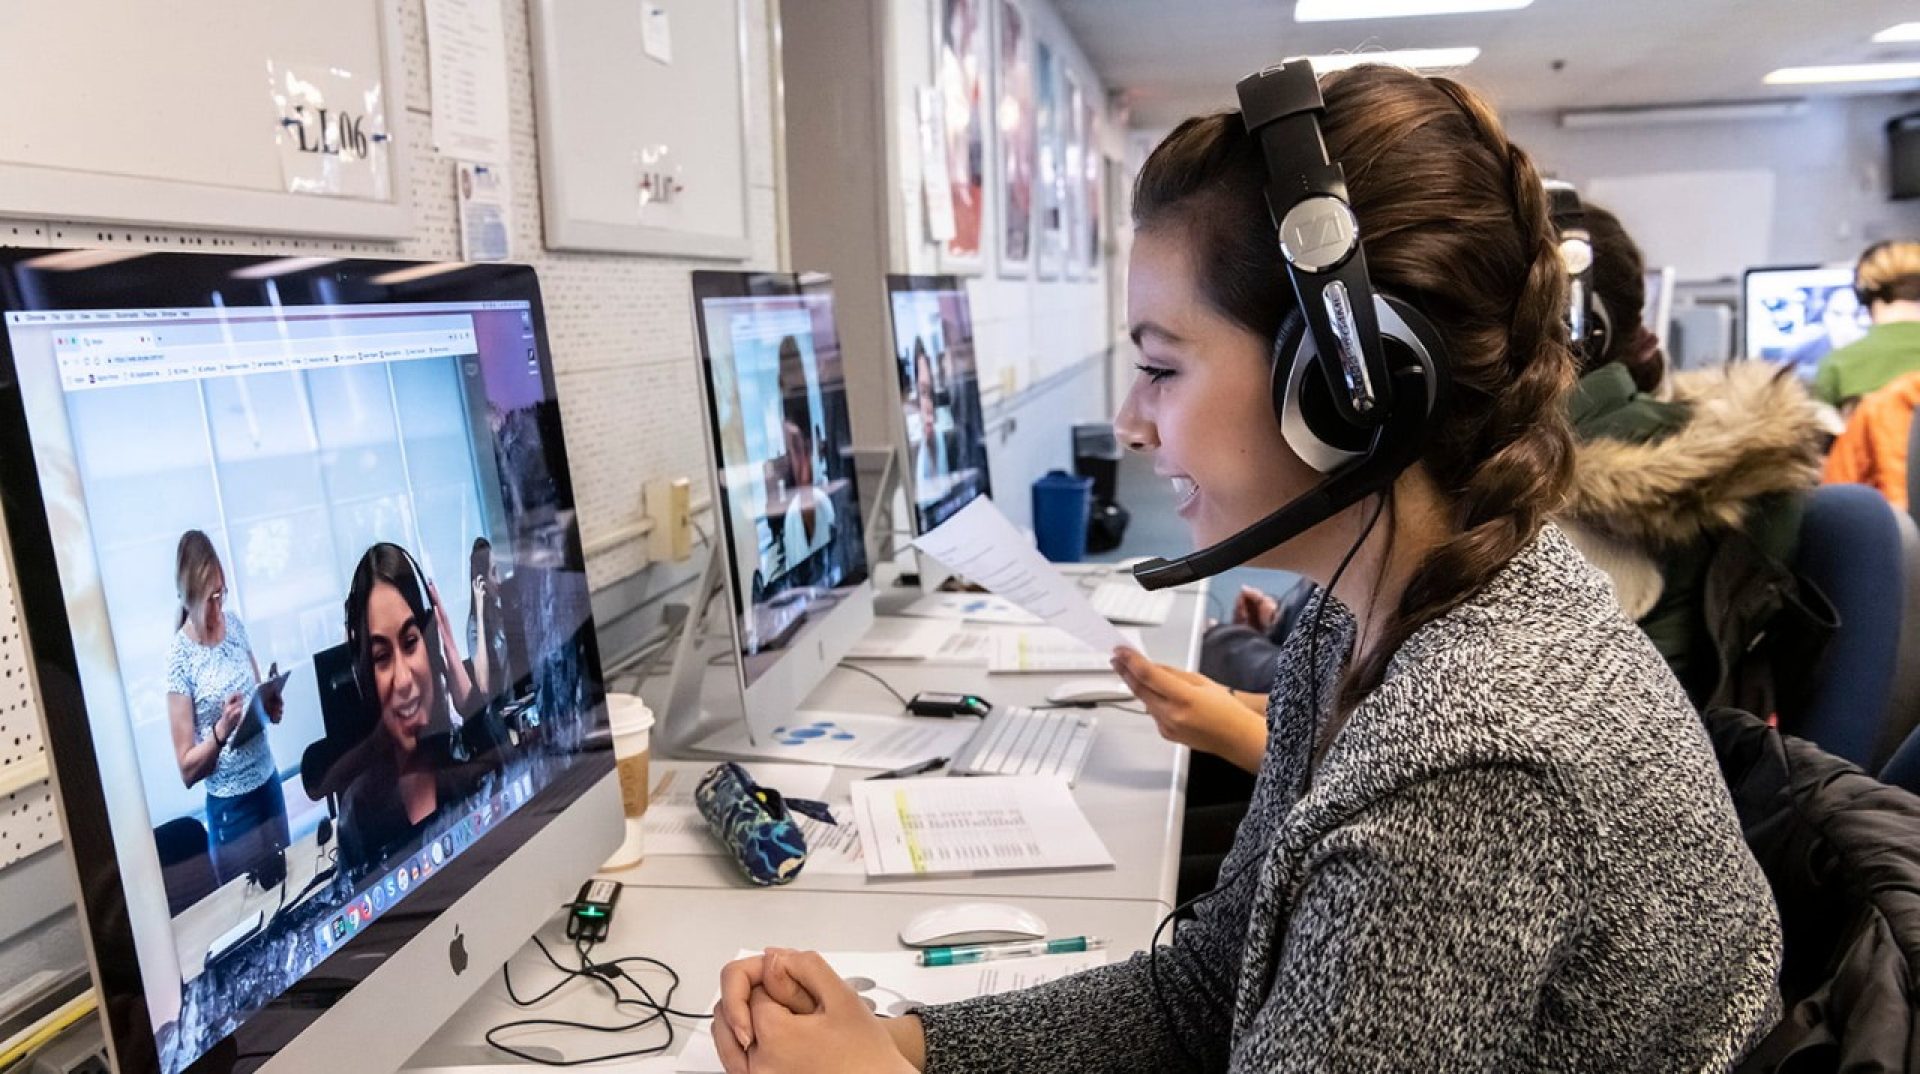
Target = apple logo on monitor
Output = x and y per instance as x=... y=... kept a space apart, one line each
x=457 y=952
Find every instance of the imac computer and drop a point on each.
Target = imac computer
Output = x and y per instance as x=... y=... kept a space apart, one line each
x=294 y=545
x=940 y=396
x=775 y=390
x=1795 y=315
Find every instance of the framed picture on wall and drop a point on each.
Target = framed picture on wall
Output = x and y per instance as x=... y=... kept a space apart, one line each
x=1015 y=127
x=1050 y=229
x=960 y=72
x=1073 y=171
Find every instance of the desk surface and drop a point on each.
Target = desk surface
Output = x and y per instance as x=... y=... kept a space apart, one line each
x=1132 y=790
x=656 y=923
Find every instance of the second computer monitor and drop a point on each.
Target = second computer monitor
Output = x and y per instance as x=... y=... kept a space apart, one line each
x=940 y=394
x=776 y=399
x=1796 y=315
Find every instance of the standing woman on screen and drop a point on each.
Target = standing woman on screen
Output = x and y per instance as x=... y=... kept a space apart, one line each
x=211 y=674
x=1488 y=831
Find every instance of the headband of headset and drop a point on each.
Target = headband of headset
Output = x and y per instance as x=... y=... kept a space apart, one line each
x=1319 y=237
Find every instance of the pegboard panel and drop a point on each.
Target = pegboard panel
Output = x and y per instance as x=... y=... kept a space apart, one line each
x=26 y=815
x=620 y=327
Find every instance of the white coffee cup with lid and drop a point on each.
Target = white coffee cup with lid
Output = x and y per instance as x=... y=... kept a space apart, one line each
x=631 y=722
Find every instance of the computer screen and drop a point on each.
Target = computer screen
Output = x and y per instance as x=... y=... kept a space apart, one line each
x=777 y=395
x=1796 y=315
x=940 y=396
x=303 y=584
x=1657 y=313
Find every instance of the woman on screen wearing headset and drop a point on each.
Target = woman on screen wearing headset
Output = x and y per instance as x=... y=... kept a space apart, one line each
x=407 y=768
x=211 y=679
x=1488 y=832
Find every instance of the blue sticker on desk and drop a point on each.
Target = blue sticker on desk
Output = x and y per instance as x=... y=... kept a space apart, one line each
x=819 y=729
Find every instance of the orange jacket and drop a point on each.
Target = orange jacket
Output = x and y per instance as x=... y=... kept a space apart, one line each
x=1873 y=449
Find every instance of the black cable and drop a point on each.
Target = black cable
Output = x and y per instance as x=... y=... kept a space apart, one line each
x=1246 y=867
x=857 y=669
x=604 y=976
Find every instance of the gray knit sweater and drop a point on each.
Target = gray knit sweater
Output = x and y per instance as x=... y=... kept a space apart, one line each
x=1517 y=855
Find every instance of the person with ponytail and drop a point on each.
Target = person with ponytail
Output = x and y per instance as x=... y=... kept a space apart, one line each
x=1488 y=832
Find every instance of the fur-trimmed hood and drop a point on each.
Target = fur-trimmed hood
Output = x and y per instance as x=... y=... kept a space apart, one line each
x=1751 y=430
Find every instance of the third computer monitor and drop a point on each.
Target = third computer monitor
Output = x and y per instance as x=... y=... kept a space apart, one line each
x=776 y=394
x=940 y=395
x=1796 y=315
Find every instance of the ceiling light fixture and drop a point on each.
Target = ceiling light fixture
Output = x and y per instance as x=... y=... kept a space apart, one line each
x=1342 y=10
x=1418 y=59
x=1904 y=33
x=1703 y=112
x=1844 y=72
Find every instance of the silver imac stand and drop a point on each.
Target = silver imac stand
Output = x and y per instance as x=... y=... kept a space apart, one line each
x=685 y=717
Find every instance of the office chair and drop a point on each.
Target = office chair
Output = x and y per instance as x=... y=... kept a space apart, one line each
x=1913 y=467
x=1865 y=556
x=1903 y=768
x=186 y=862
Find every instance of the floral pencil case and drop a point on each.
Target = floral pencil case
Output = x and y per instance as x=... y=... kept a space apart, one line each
x=756 y=824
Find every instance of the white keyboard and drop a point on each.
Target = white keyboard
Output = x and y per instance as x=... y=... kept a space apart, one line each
x=1126 y=602
x=1017 y=741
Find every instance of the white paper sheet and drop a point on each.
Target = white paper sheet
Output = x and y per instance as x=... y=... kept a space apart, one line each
x=979 y=543
x=921 y=827
x=892 y=638
x=467 y=68
x=858 y=740
x=1043 y=649
x=933 y=164
x=972 y=645
x=971 y=608
x=896 y=985
x=486 y=211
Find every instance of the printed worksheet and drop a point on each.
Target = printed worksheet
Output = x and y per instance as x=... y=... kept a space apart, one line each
x=920 y=827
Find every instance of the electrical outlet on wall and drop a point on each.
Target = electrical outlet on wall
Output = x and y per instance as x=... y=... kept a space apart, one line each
x=669 y=504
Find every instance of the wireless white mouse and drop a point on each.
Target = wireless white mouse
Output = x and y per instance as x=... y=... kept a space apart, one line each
x=1089 y=692
x=971 y=922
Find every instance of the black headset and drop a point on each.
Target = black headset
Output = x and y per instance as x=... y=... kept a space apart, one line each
x=1589 y=325
x=362 y=658
x=1359 y=377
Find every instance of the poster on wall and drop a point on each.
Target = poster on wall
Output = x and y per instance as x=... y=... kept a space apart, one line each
x=1072 y=169
x=1051 y=238
x=1092 y=179
x=1016 y=133
x=961 y=70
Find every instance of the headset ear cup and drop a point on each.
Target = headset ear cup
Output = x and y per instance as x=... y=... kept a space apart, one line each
x=1303 y=401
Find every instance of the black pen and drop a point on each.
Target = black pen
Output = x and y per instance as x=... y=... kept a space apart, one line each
x=920 y=769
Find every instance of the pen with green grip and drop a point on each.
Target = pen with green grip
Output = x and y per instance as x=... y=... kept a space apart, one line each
x=963 y=954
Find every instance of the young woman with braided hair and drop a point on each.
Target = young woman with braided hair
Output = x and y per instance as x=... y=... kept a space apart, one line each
x=1488 y=832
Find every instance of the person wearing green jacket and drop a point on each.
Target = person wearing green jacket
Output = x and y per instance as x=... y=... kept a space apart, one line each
x=1887 y=279
x=1668 y=469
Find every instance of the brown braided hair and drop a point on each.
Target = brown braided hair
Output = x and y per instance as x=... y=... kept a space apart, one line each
x=1455 y=221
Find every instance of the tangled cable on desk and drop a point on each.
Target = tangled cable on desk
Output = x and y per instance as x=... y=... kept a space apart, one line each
x=606 y=976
